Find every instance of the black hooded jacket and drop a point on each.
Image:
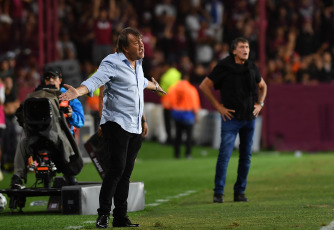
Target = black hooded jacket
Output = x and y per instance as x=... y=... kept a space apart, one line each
x=238 y=86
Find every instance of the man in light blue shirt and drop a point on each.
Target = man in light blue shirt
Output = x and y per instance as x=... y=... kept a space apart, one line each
x=123 y=122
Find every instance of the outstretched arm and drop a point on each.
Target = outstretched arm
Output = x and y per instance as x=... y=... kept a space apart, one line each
x=72 y=92
x=154 y=86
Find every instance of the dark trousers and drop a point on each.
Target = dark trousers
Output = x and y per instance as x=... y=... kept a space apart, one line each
x=180 y=128
x=168 y=125
x=123 y=148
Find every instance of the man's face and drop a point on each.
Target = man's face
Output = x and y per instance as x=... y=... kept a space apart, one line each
x=135 y=50
x=52 y=80
x=241 y=52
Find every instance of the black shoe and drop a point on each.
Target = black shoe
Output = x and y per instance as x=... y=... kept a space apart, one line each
x=123 y=222
x=16 y=183
x=102 y=221
x=240 y=198
x=218 y=198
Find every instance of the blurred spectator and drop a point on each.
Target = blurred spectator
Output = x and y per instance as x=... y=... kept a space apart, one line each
x=174 y=30
x=280 y=19
x=274 y=75
x=102 y=30
x=289 y=76
x=237 y=15
x=250 y=33
x=25 y=87
x=9 y=106
x=323 y=68
x=295 y=62
x=170 y=76
x=11 y=57
x=279 y=40
x=185 y=65
x=215 y=8
x=145 y=10
x=165 y=7
x=149 y=41
x=16 y=13
x=83 y=33
x=165 y=38
x=328 y=67
x=5 y=26
x=198 y=75
x=4 y=66
x=30 y=40
x=181 y=42
x=317 y=69
x=204 y=44
x=183 y=101
x=307 y=40
x=221 y=50
x=303 y=73
x=66 y=48
x=10 y=135
x=306 y=10
x=192 y=22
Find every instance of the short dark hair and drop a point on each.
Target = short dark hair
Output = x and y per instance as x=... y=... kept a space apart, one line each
x=123 y=41
x=236 y=41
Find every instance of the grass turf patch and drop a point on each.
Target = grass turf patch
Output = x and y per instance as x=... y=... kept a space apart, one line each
x=285 y=192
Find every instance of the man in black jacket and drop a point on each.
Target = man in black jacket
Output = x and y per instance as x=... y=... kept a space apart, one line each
x=243 y=92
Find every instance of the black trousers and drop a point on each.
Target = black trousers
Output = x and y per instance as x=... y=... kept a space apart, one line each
x=180 y=128
x=123 y=148
x=168 y=124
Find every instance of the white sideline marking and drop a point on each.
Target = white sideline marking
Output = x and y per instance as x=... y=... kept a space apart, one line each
x=172 y=197
x=328 y=227
x=162 y=200
x=89 y=222
x=159 y=201
x=80 y=227
x=74 y=227
x=152 y=204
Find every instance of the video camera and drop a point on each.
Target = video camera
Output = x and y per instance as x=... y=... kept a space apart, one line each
x=43 y=119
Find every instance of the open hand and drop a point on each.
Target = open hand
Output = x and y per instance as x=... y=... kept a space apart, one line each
x=70 y=94
x=159 y=89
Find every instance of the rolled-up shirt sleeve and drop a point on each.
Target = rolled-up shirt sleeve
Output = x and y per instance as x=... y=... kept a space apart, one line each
x=105 y=72
x=145 y=83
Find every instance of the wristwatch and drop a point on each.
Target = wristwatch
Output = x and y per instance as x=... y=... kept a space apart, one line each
x=261 y=103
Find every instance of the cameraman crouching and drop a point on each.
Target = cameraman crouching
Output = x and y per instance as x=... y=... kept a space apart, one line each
x=52 y=78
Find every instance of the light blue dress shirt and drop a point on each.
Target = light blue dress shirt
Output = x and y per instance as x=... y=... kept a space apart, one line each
x=123 y=95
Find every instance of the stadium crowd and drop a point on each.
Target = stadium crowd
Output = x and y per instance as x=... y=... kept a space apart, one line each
x=189 y=35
